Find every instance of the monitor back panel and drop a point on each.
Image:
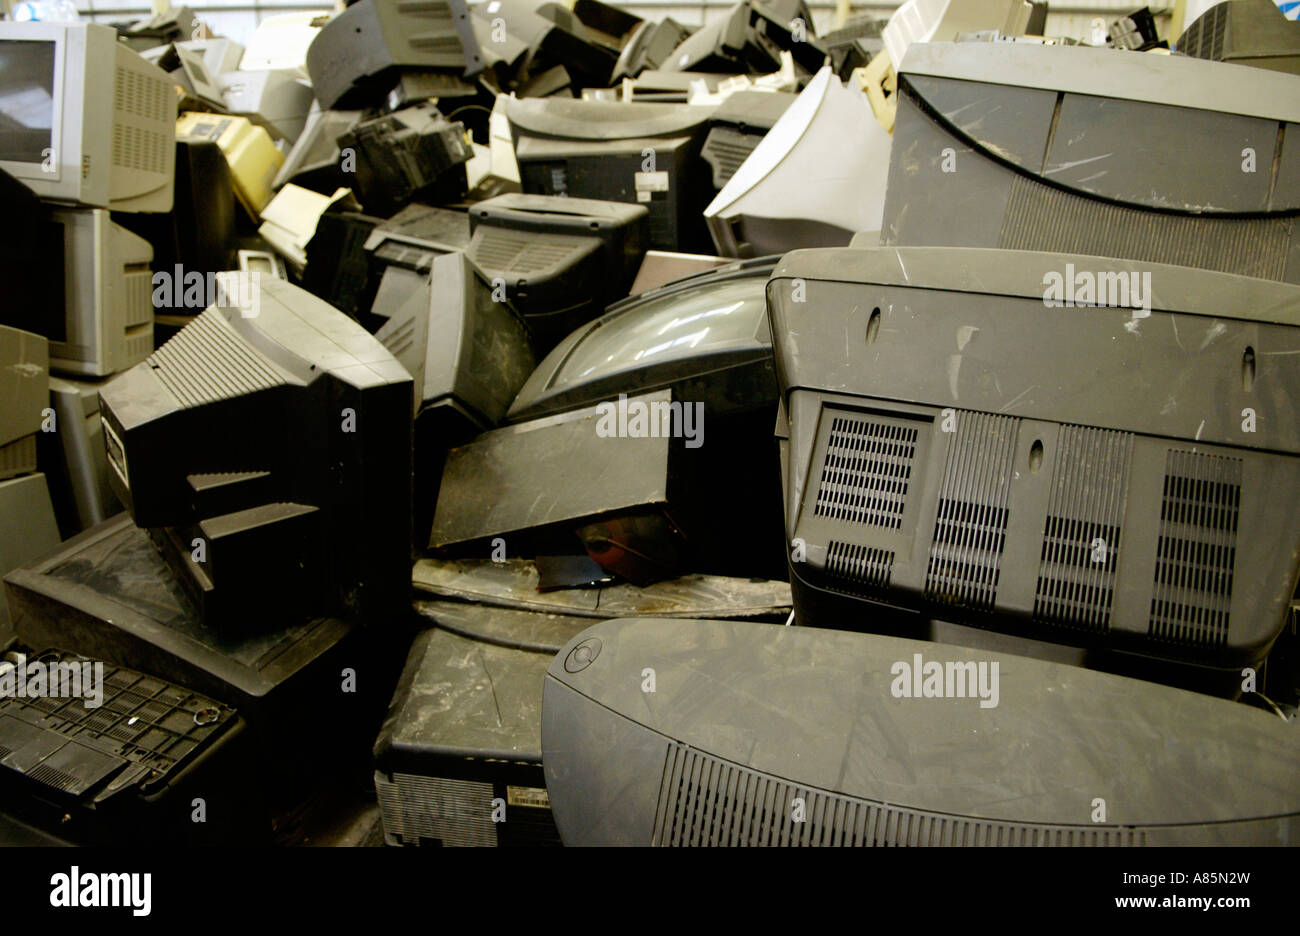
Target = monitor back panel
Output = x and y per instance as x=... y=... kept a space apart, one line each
x=988 y=152
x=1079 y=475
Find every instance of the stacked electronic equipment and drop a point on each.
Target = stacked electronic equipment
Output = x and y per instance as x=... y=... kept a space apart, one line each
x=498 y=299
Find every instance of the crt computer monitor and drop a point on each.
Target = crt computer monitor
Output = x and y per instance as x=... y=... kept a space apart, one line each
x=107 y=324
x=559 y=261
x=357 y=56
x=601 y=149
x=267 y=449
x=704 y=336
x=1089 y=465
x=758 y=734
x=83 y=119
x=1159 y=158
x=467 y=354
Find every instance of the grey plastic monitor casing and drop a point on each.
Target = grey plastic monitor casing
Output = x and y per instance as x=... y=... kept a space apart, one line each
x=1091 y=476
x=757 y=734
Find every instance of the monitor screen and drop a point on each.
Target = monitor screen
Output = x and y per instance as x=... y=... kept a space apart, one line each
x=694 y=332
x=26 y=100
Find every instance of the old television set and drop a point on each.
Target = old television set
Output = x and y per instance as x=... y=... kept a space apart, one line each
x=83 y=118
x=722 y=754
x=1092 y=466
x=357 y=56
x=598 y=149
x=558 y=261
x=1160 y=158
x=267 y=448
x=704 y=336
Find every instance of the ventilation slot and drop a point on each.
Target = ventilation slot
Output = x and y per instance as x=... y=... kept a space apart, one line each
x=454 y=812
x=1040 y=217
x=207 y=361
x=970 y=529
x=52 y=776
x=1197 y=549
x=1204 y=39
x=1081 y=543
x=862 y=565
x=515 y=253
x=704 y=800
x=866 y=472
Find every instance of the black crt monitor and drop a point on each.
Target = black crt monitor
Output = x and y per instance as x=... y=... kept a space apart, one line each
x=559 y=261
x=199 y=232
x=1109 y=464
x=1244 y=32
x=649 y=47
x=704 y=336
x=1159 y=158
x=750 y=40
x=338 y=267
x=643 y=153
x=467 y=354
x=267 y=449
x=400 y=253
x=739 y=123
x=355 y=59
x=758 y=734
x=715 y=47
x=410 y=153
x=652 y=485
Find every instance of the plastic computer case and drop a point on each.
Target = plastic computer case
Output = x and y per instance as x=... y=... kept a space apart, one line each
x=1114 y=473
x=469 y=772
x=558 y=261
x=757 y=734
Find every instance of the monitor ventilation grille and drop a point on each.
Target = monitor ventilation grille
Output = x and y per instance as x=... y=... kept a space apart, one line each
x=862 y=565
x=1081 y=542
x=141 y=95
x=399 y=340
x=1204 y=38
x=141 y=150
x=868 y=466
x=207 y=361
x=502 y=252
x=725 y=150
x=970 y=529
x=1040 y=217
x=454 y=812
x=704 y=800
x=1197 y=549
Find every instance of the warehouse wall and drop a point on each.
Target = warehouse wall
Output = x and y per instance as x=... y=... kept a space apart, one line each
x=238 y=18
